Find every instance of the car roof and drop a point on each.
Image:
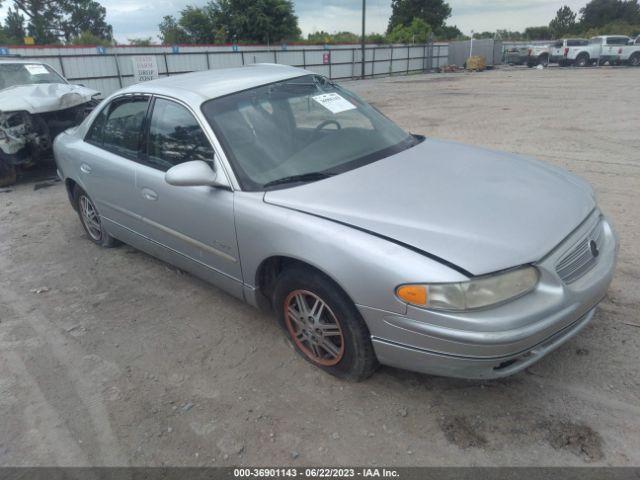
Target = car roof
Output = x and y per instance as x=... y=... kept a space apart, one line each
x=208 y=84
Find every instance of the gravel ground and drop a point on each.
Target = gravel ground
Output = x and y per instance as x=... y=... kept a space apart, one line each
x=110 y=357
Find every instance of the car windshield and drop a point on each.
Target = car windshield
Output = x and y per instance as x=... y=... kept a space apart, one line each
x=299 y=130
x=12 y=74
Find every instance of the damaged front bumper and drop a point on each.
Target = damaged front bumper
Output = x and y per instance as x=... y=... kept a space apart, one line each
x=26 y=139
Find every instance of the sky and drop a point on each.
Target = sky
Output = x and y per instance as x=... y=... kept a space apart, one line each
x=140 y=18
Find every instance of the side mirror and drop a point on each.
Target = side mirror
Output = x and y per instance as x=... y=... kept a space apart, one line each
x=191 y=174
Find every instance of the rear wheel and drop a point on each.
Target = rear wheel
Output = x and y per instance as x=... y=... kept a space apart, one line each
x=543 y=60
x=90 y=219
x=323 y=323
x=582 y=60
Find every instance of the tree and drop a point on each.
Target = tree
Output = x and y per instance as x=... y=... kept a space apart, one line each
x=140 y=42
x=260 y=21
x=598 y=13
x=417 y=32
x=322 y=37
x=448 y=32
x=85 y=16
x=564 y=22
x=537 y=33
x=170 y=32
x=14 y=27
x=483 y=35
x=48 y=21
x=88 y=38
x=431 y=12
x=43 y=19
x=199 y=24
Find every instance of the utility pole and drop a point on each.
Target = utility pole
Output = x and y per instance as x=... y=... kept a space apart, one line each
x=364 y=9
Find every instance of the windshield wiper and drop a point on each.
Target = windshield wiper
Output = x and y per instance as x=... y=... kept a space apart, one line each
x=304 y=177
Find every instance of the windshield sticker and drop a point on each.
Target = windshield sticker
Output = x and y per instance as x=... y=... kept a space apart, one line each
x=37 y=69
x=334 y=102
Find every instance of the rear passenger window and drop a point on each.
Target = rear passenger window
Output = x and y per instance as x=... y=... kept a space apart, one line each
x=175 y=137
x=118 y=126
x=617 y=41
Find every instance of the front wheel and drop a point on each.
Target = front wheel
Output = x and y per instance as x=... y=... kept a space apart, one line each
x=90 y=219
x=634 y=61
x=323 y=323
x=8 y=173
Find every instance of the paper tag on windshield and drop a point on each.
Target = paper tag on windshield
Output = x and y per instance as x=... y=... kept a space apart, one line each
x=334 y=102
x=36 y=69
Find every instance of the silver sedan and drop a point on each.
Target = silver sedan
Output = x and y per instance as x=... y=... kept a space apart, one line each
x=372 y=245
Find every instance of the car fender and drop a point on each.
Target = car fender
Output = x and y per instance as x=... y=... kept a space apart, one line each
x=367 y=267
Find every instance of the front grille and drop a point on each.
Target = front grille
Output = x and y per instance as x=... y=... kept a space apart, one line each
x=582 y=257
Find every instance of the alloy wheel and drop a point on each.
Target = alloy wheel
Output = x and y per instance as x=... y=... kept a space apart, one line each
x=314 y=327
x=90 y=218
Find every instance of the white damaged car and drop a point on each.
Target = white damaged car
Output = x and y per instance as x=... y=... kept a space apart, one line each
x=36 y=104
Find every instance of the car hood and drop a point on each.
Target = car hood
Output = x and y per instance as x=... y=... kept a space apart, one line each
x=481 y=210
x=46 y=97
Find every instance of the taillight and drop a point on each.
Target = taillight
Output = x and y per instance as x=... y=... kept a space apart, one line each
x=566 y=52
x=530 y=51
x=620 y=51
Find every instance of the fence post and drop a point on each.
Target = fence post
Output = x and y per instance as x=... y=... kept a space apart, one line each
x=353 y=63
x=242 y=56
x=61 y=66
x=208 y=64
x=115 y=57
x=373 y=62
x=330 y=62
x=391 y=62
x=408 y=55
x=304 y=58
x=166 y=63
x=275 y=56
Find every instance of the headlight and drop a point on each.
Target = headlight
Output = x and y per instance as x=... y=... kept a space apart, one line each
x=478 y=293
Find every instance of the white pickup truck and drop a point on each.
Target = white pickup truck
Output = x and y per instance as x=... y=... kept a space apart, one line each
x=615 y=49
x=538 y=55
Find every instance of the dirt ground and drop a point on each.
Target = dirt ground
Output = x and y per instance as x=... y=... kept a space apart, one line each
x=110 y=357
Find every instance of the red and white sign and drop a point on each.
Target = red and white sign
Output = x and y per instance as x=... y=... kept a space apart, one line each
x=145 y=68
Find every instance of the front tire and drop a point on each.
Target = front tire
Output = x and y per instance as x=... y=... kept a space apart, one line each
x=634 y=60
x=8 y=173
x=90 y=219
x=323 y=324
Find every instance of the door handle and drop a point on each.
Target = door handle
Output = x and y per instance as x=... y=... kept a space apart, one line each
x=149 y=194
x=84 y=168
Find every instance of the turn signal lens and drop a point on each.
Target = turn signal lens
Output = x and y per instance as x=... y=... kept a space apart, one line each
x=414 y=294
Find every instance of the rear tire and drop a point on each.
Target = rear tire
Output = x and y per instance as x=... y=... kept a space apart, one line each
x=543 y=60
x=582 y=60
x=90 y=219
x=316 y=313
